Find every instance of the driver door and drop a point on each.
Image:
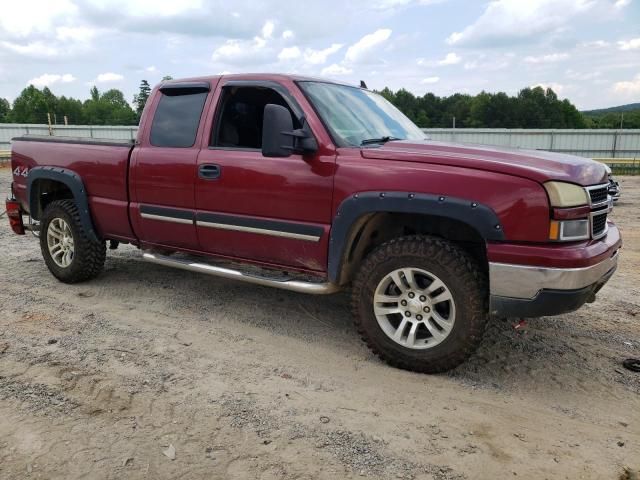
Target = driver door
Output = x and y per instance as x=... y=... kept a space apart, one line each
x=269 y=210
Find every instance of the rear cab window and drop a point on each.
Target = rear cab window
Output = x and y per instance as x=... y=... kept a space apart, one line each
x=177 y=116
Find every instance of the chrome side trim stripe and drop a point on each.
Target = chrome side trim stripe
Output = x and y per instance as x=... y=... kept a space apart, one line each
x=284 y=284
x=260 y=231
x=261 y=226
x=162 y=218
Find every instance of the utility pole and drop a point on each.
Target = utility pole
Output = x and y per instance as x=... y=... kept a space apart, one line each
x=49 y=122
x=66 y=120
x=621 y=119
x=454 y=122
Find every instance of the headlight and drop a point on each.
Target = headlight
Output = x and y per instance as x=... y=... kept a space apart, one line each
x=562 y=194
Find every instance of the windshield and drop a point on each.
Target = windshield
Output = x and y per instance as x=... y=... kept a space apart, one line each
x=355 y=115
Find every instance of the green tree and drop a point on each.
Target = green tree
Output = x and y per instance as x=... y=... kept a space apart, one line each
x=140 y=99
x=94 y=93
x=119 y=110
x=108 y=108
x=166 y=78
x=5 y=110
x=70 y=108
x=31 y=106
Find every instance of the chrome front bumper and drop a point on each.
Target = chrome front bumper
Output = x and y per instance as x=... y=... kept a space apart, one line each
x=521 y=281
x=524 y=291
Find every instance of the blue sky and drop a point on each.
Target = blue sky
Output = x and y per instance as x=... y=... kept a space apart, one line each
x=586 y=50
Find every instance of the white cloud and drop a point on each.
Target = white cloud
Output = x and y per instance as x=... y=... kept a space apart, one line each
x=35 y=49
x=318 y=57
x=151 y=8
x=75 y=34
x=508 y=21
x=390 y=4
x=628 y=89
x=550 y=58
x=489 y=63
x=108 y=77
x=239 y=51
x=47 y=79
x=632 y=44
x=287 y=34
x=267 y=29
x=336 y=70
x=450 y=59
x=151 y=69
x=229 y=50
x=591 y=75
x=622 y=3
x=595 y=44
x=360 y=50
x=37 y=16
x=558 y=88
x=289 y=53
x=235 y=51
x=430 y=80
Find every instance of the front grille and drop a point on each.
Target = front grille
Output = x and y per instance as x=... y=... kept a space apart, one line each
x=598 y=224
x=599 y=194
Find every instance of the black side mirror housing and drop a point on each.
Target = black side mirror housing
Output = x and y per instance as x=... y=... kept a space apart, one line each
x=279 y=139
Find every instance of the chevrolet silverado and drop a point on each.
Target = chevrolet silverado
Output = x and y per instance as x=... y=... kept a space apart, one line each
x=315 y=186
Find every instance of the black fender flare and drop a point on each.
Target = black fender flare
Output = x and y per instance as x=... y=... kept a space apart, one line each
x=69 y=178
x=478 y=216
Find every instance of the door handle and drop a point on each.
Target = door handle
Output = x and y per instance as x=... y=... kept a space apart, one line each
x=209 y=171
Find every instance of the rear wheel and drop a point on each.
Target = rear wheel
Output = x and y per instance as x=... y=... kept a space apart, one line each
x=68 y=250
x=420 y=303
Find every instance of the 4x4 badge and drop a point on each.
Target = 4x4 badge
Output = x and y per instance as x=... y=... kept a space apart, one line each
x=18 y=173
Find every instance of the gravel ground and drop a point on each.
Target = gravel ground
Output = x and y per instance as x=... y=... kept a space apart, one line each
x=149 y=372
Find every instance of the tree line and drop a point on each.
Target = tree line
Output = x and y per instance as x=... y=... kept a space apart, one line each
x=530 y=108
x=109 y=107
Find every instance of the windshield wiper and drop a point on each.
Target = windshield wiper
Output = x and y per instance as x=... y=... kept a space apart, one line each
x=369 y=141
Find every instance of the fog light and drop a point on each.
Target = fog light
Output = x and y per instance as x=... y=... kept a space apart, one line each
x=569 y=230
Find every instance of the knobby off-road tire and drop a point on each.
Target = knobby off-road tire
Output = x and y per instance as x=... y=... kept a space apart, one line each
x=87 y=255
x=418 y=263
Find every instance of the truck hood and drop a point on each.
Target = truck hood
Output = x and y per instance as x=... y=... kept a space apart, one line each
x=536 y=165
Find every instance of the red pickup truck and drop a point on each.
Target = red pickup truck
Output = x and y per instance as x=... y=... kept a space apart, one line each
x=315 y=186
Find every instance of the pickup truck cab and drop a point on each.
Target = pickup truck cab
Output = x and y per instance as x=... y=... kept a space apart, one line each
x=315 y=186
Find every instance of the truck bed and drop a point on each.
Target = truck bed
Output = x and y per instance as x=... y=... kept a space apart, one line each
x=101 y=163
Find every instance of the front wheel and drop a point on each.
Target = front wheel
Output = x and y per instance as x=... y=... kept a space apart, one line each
x=420 y=303
x=70 y=253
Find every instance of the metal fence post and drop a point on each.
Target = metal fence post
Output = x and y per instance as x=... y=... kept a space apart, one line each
x=615 y=144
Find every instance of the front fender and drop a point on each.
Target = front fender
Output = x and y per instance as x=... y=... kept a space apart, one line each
x=478 y=216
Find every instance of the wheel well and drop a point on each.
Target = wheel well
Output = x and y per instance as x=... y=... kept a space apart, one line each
x=374 y=229
x=43 y=192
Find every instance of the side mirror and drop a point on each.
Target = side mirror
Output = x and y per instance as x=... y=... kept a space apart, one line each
x=276 y=123
x=279 y=139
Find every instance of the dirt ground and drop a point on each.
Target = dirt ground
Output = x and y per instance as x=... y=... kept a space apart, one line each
x=149 y=372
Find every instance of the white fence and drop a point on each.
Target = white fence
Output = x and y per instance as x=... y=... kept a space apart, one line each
x=10 y=130
x=586 y=143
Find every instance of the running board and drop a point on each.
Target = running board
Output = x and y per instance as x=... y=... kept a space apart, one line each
x=284 y=284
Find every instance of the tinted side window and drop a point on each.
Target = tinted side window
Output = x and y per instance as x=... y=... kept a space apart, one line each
x=176 y=120
x=239 y=119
